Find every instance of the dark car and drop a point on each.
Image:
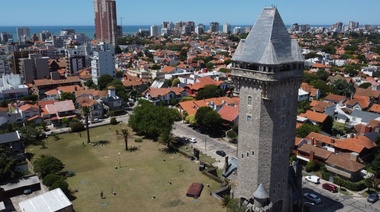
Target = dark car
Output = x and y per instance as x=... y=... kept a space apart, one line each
x=221 y=153
x=330 y=187
x=373 y=197
x=313 y=198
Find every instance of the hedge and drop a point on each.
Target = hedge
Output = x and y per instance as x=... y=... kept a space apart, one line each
x=354 y=186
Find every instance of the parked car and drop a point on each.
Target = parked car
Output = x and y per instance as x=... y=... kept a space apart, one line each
x=373 y=197
x=312 y=197
x=96 y=120
x=221 y=153
x=330 y=187
x=313 y=179
x=192 y=140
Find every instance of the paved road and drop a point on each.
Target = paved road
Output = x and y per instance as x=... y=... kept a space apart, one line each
x=205 y=144
x=337 y=201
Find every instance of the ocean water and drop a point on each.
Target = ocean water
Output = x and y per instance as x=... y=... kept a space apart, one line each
x=90 y=30
x=87 y=30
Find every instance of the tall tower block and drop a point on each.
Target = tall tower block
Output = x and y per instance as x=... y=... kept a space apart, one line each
x=267 y=72
x=105 y=21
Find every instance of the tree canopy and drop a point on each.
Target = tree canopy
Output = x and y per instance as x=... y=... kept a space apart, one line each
x=104 y=80
x=306 y=129
x=341 y=87
x=47 y=164
x=209 y=91
x=152 y=121
x=7 y=164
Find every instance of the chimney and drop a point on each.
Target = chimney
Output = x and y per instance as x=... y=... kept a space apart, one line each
x=311 y=156
x=332 y=140
x=354 y=156
x=312 y=141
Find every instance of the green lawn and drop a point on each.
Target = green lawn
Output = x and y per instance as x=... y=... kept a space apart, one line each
x=149 y=179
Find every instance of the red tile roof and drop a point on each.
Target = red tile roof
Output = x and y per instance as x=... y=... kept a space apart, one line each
x=337 y=160
x=229 y=113
x=319 y=152
x=314 y=116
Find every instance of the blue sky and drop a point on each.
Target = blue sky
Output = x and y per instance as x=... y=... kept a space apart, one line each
x=147 y=12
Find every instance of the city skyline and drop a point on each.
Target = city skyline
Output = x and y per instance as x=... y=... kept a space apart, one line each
x=77 y=13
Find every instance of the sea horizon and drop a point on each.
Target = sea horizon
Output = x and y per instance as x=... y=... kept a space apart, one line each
x=89 y=30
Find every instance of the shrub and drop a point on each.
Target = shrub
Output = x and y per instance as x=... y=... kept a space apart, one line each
x=113 y=121
x=76 y=126
x=138 y=140
x=50 y=179
x=354 y=186
x=63 y=185
x=311 y=166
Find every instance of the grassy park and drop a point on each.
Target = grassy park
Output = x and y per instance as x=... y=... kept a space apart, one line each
x=147 y=179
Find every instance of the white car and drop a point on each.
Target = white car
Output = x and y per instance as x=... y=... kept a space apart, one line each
x=192 y=140
x=313 y=179
x=312 y=197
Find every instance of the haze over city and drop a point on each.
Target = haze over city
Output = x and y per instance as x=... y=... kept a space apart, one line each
x=74 y=12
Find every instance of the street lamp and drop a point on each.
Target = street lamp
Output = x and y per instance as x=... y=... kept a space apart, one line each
x=303 y=205
x=119 y=161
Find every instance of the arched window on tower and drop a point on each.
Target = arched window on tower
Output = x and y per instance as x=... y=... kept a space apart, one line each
x=249 y=100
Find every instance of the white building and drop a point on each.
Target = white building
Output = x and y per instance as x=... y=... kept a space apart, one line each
x=23 y=34
x=103 y=61
x=237 y=30
x=154 y=30
x=11 y=87
x=54 y=200
x=4 y=64
x=227 y=28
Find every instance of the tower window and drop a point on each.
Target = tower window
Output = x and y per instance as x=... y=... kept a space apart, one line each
x=275 y=151
x=280 y=146
x=249 y=118
x=274 y=191
x=253 y=152
x=242 y=155
x=283 y=102
x=249 y=100
x=283 y=120
x=247 y=154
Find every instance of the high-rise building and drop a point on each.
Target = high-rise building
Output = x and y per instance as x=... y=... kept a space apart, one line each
x=103 y=61
x=165 y=24
x=227 y=28
x=267 y=70
x=237 y=30
x=23 y=34
x=191 y=24
x=214 y=27
x=154 y=30
x=353 y=25
x=200 y=29
x=4 y=37
x=34 y=67
x=105 y=21
x=75 y=56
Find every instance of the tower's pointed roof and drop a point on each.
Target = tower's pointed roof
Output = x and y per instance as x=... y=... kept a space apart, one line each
x=268 y=42
x=260 y=192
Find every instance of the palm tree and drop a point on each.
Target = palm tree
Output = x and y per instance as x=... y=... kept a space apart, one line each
x=125 y=134
x=167 y=138
x=86 y=113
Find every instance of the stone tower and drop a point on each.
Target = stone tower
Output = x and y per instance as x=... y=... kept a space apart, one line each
x=267 y=70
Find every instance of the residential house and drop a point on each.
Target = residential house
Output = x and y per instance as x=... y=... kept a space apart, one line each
x=28 y=111
x=56 y=111
x=323 y=107
x=40 y=86
x=111 y=101
x=56 y=93
x=166 y=95
x=314 y=93
x=336 y=99
x=229 y=115
x=308 y=152
x=316 y=118
x=362 y=117
x=202 y=82
x=13 y=141
x=302 y=95
x=375 y=108
x=191 y=107
x=375 y=94
x=95 y=106
x=358 y=103
x=345 y=164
